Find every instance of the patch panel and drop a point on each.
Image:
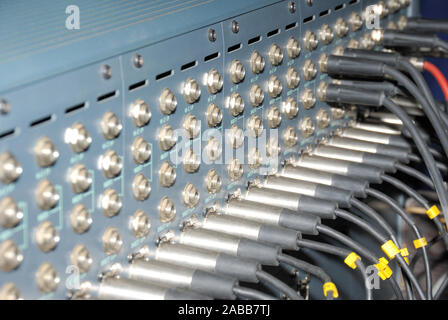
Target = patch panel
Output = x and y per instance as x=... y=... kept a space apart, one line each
x=106 y=145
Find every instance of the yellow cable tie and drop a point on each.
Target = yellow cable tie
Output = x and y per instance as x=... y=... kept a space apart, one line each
x=419 y=243
x=330 y=286
x=383 y=269
x=390 y=249
x=433 y=212
x=351 y=259
x=405 y=254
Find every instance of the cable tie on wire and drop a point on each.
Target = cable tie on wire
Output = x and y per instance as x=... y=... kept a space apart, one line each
x=433 y=212
x=390 y=249
x=384 y=271
x=330 y=286
x=405 y=254
x=419 y=243
x=351 y=259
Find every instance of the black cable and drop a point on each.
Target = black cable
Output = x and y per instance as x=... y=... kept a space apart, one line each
x=371 y=213
x=441 y=44
x=333 y=93
x=442 y=167
x=418 y=254
x=251 y=294
x=430 y=113
x=266 y=278
x=416 y=75
x=375 y=233
x=343 y=253
x=426 y=25
x=441 y=288
x=362 y=224
x=360 y=249
x=406 y=189
x=420 y=199
x=324 y=247
x=337 y=65
x=436 y=154
x=340 y=94
x=397 y=38
x=314 y=270
x=394 y=205
x=415 y=174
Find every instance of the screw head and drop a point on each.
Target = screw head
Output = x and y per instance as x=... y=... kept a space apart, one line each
x=137 y=59
x=212 y=35
x=235 y=27
x=309 y=2
x=106 y=71
x=292 y=6
x=4 y=106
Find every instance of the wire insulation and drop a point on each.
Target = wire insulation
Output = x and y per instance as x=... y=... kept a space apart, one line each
x=438 y=75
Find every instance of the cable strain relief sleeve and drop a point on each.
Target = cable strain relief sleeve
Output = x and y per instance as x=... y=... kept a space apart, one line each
x=357 y=185
x=213 y=285
x=380 y=161
x=179 y=294
x=350 y=95
x=389 y=58
x=396 y=152
x=302 y=222
x=362 y=171
x=342 y=197
x=319 y=207
x=265 y=254
x=340 y=66
x=283 y=237
x=240 y=268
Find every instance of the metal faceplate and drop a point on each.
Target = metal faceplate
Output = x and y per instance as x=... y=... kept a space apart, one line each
x=146 y=47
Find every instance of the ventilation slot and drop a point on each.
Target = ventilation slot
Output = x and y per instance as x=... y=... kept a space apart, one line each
x=324 y=13
x=40 y=121
x=254 y=40
x=308 y=19
x=291 y=26
x=211 y=57
x=75 y=108
x=164 y=75
x=137 y=85
x=7 y=134
x=353 y=2
x=106 y=96
x=273 y=33
x=234 y=48
x=339 y=7
x=189 y=65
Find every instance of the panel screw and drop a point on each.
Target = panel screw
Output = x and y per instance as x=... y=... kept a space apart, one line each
x=212 y=35
x=292 y=6
x=235 y=27
x=309 y=2
x=137 y=60
x=4 y=106
x=106 y=71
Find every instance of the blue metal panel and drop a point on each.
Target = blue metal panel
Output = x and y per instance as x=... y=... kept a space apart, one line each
x=36 y=43
x=50 y=69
